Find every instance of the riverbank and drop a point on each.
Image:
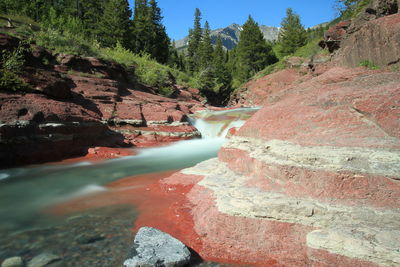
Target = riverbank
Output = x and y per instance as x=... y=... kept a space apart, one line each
x=91 y=188
x=70 y=105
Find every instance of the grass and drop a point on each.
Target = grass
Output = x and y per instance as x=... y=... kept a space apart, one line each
x=87 y=75
x=66 y=43
x=17 y=19
x=310 y=49
x=368 y=64
x=146 y=70
x=10 y=81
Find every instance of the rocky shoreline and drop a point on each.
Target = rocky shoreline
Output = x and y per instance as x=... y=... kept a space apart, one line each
x=100 y=237
x=77 y=103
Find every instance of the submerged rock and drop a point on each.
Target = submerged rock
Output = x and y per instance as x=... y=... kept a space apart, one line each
x=43 y=259
x=155 y=248
x=13 y=262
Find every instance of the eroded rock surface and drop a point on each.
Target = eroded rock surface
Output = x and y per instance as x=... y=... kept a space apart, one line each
x=155 y=248
x=75 y=103
x=312 y=179
x=370 y=38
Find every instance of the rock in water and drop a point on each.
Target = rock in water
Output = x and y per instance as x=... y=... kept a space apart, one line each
x=155 y=248
x=43 y=259
x=13 y=262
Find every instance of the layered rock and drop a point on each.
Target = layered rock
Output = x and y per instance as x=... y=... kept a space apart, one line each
x=312 y=179
x=366 y=43
x=362 y=38
x=75 y=103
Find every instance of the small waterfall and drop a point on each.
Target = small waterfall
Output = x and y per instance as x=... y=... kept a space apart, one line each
x=216 y=124
x=26 y=191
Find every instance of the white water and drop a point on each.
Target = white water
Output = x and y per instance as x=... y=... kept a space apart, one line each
x=25 y=191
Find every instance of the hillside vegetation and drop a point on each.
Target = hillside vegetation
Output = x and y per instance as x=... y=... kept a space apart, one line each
x=136 y=38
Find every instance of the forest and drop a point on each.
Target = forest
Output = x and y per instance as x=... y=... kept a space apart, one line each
x=110 y=29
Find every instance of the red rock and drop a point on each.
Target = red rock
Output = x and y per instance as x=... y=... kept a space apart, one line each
x=260 y=91
x=366 y=43
x=50 y=83
x=337 y=32
x=103 y=109
x=319 y=156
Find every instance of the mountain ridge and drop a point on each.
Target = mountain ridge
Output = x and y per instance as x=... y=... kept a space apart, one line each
x=230 y=36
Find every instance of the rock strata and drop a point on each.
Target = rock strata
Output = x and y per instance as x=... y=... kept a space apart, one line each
x=76 y=103
x=362 y=38
x=312 y=179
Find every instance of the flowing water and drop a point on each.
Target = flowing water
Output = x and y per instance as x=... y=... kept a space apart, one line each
x=26 y=191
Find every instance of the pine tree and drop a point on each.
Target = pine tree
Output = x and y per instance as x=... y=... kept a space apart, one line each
x=292 y=35
x=115 y=23
x=252 y=52
x=205 y=49
x=205 y=63
x=141 y=35
x=194 y=43
x=92 y=11
x=148 y=33
x=160 y=42
x=174 y=58
x=222 y=75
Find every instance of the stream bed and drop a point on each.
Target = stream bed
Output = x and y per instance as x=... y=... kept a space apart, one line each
x=36 y=214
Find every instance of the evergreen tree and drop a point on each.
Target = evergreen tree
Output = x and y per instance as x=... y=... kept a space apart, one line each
x=160 y=42
x=175 y=60
x=292 y=35
x=148 y=33
x=252 y=52
x=194 y=43
x=92 y=11
x=223 y=77
x=205 y=49
x=141 y=35
x=115 y=23
x=205 y=57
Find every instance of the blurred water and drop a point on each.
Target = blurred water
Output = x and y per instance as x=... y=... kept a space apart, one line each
x=25 y=191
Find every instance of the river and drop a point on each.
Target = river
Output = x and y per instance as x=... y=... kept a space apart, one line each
x=26 y=192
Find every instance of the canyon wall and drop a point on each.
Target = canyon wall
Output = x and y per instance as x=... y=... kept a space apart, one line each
x=313 y=178
x=75 y=103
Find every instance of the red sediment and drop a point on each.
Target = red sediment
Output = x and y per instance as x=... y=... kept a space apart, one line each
x=129 y=190
x=99 y=154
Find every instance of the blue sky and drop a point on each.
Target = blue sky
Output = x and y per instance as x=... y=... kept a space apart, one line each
x=178 y=14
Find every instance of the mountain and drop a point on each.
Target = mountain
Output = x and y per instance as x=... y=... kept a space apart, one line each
x=230 y=36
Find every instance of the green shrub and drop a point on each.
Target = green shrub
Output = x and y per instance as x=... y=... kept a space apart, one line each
x=368 y=64
x=10 y=81
x=66 y=42
x=13 y=61
x=18 y=20
x=166 y=91
x=24 y=31
x=310 y=49
x=349 y=9
x=147 y=70
x=12 y=64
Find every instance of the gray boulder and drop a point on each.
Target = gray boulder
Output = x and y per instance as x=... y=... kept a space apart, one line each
x=43 y=259
x=155 y=248
x=13 y=262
